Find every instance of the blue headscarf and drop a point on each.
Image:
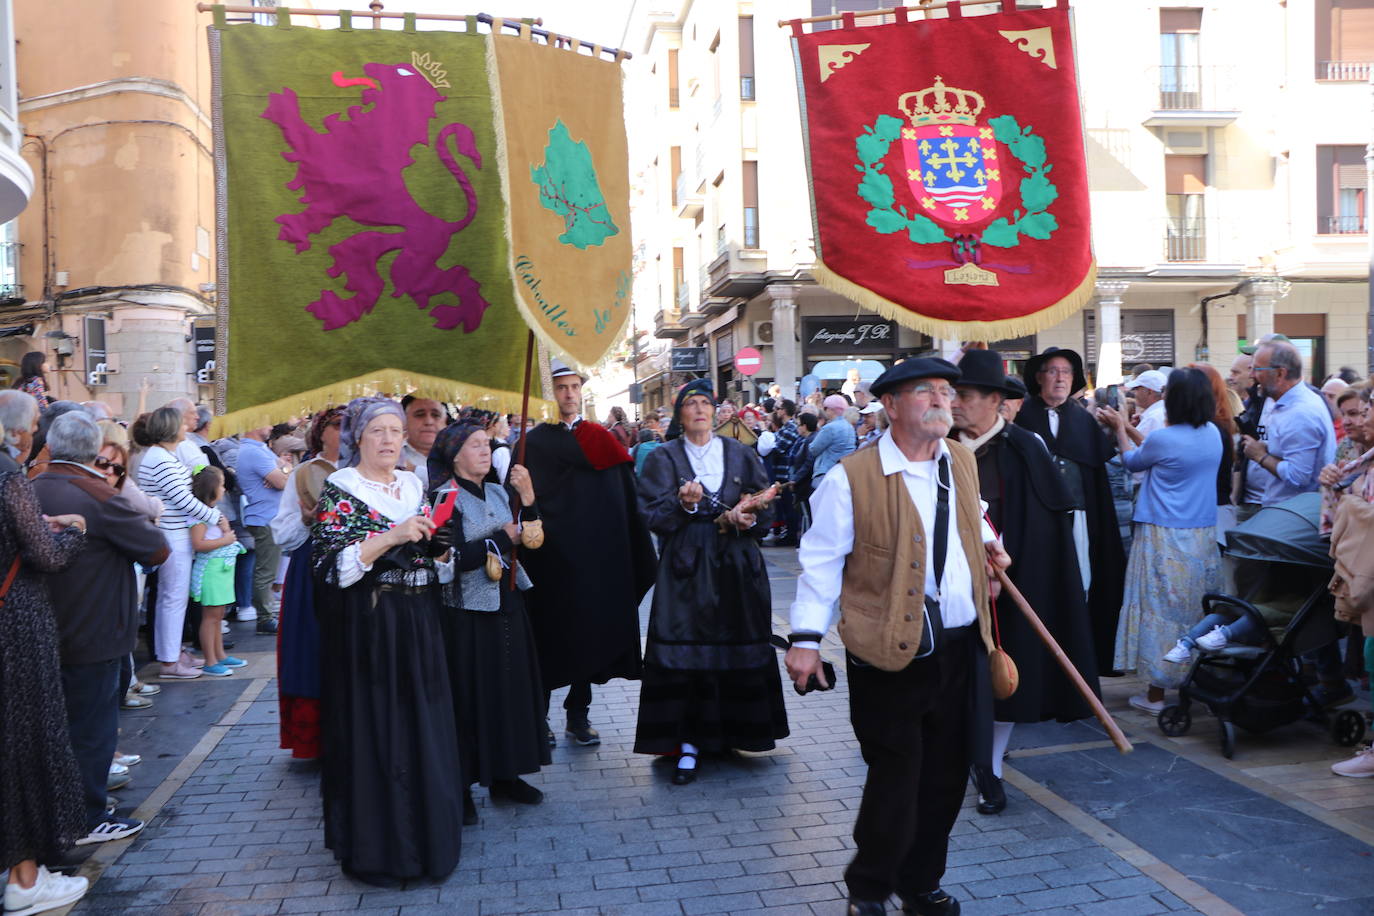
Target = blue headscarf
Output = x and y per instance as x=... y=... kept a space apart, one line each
x=695 y=386
x=356 y=416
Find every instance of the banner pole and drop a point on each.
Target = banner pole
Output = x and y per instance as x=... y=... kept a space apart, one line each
x=520 y=445
x=890 y=11
x=1122 y=743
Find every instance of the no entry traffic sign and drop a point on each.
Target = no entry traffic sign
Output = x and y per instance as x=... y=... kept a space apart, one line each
x=748 y=361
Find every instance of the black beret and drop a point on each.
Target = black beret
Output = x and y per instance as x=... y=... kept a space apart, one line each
x=912 y=369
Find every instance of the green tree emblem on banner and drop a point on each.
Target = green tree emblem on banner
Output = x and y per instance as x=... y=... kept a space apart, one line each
x=568 y=186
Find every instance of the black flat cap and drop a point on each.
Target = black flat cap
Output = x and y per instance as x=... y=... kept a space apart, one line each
x=911 y=370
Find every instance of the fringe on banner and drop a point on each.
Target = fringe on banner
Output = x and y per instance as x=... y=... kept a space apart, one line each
x=962 y=330
x=388 y=382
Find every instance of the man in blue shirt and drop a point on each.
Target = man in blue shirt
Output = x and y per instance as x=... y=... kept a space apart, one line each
x=261 y=479
x=1298 y=438
x=834 y=440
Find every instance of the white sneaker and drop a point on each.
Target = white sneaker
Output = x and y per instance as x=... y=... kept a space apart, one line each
x=1361 y=766
x=246 y=614
x=1213 y=641
x=224 y=626
x=49 y=892
x=1144 y=704
x=118 y=769
x=1179 y=654
x=112 y=828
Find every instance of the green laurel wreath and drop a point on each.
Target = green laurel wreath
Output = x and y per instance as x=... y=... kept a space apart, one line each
x=887 y=217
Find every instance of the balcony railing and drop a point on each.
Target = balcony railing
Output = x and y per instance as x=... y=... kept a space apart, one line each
x=1185 y=240
x=751 y=227
x=1344 y=225
x=746 y=88
x=1344 y=70
x=1193 y=87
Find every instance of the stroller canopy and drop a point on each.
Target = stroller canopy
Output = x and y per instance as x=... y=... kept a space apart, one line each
x=1284 y=533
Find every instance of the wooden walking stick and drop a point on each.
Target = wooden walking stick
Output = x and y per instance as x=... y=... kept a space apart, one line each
x=1122 y=743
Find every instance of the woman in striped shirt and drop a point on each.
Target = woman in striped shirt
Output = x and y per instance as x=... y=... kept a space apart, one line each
x=163 y=476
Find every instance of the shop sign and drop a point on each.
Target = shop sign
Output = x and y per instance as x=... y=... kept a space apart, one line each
x=689 y=359
x=848 y=335
x=204 y=337
x=96 y=360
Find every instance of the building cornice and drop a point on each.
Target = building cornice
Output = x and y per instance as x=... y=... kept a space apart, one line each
x=143 y=84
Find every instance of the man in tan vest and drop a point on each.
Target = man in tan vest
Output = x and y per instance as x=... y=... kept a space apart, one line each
x=898 y=542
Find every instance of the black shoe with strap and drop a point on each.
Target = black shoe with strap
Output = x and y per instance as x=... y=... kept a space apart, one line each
x=866 y=907
x=685 y=775
x=992 y=798
x=935 y=903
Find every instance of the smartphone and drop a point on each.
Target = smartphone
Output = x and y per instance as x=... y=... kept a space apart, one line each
x=1113 y=397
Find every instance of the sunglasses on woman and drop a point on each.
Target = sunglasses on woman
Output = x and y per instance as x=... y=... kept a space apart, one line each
x=105 y=464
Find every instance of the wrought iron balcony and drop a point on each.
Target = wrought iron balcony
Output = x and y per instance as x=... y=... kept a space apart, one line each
x=1344 y=225
x=1193 y=94
x=1185 y=240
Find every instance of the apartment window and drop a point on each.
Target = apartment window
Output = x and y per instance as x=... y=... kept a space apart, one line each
x=1341 y=183
x=715 y=74
x=680 y=280
x=1345 y=39
x=836 y=7
x=9 y=261
x=746 y=58
x=265 y=18
x=1185 y=184
x=722 y=240
x=751 y=205
x=675 y=169
x=673 y=97
x=1180 y=65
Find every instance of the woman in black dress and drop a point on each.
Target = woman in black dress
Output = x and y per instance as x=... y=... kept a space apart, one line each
x=497 y=694
x=710 y=676
x=41 y=808
x=389 y=751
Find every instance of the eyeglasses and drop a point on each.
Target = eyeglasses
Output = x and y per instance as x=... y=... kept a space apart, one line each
x=933 y=391
x=105 y=464
x=1057 y=372
x=1264 y=368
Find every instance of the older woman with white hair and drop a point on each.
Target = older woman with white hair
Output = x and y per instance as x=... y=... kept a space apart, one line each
x=391 y=780
x=19 y=417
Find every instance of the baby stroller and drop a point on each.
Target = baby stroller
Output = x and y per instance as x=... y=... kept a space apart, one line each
x=1285 y=568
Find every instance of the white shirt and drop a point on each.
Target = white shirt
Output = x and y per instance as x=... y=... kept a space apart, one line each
x=1152 y=419
x=418 y=462
x=397 y=502
x=189 y=454
x=709 y=464
x=767 y=442
x=830 y=540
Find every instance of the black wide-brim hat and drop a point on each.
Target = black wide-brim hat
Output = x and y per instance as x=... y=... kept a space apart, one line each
x=983 y=369
x=912 y=369
x=1035 y=363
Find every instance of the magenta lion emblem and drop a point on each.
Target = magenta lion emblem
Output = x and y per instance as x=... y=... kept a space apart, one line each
x=354 y=169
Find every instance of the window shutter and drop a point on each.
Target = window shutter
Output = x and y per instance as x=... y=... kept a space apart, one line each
x=1185 y=174
x=1176 y=20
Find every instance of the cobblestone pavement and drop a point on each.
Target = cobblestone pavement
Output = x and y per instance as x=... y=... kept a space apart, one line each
x=235 y=828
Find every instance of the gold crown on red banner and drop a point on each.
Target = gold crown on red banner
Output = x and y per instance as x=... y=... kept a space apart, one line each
x=941 y=104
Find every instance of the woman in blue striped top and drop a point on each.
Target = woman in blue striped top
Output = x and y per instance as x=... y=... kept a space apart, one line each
x=162 y=475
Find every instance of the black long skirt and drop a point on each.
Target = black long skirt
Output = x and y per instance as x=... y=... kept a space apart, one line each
x=715 y=710
x=393 y=801
x=497 y=694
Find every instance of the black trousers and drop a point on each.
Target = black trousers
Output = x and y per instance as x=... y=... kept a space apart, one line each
x=576 y=703
x=913 y=730
x=93 y=691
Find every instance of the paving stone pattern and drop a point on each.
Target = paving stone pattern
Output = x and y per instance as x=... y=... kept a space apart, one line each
x=759 y=832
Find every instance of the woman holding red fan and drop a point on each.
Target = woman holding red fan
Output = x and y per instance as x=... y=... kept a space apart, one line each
x=497 y=694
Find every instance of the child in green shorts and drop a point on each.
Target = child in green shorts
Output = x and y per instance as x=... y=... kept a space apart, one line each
x=212 y=575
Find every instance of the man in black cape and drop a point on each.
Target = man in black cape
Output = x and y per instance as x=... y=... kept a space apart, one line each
x=1081 y=449
x=597 y=561
x=1029 y=506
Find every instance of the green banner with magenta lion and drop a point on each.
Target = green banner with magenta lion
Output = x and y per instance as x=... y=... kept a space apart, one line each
x=363 y=241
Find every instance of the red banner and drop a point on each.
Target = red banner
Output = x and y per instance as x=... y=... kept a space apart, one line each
x=948 y=181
